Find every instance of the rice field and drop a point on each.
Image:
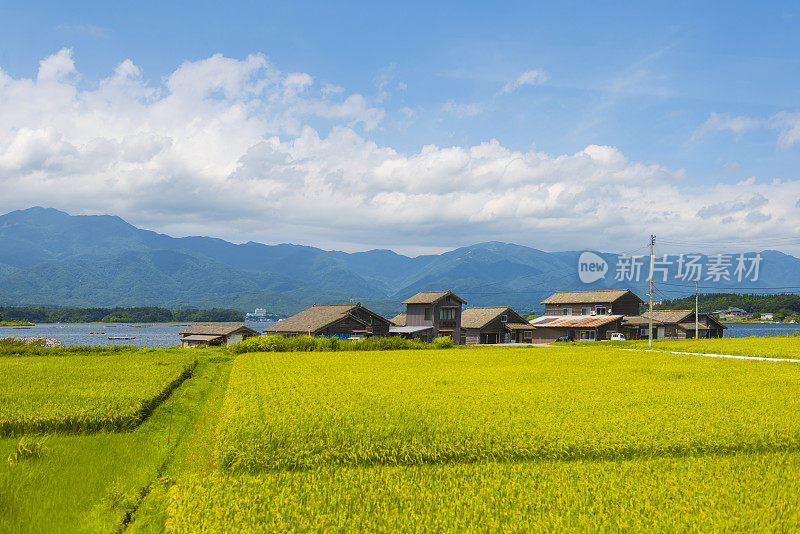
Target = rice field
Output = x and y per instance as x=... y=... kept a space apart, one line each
x=770 y=347
x=77 y=393
x=303 y=411
x=582 y=437
x=743 y=492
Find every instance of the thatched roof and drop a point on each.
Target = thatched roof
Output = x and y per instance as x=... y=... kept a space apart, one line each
x=431 y=297
x=399 y=320
x=587 y=297
x=319 y=316
x=216 y=329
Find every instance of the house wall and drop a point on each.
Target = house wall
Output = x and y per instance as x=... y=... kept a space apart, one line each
x=415 y=314
x=472 y=336
x=558 y=309
x=626 y=305
x=543 y=334
x=343 y=327
x=378 y=326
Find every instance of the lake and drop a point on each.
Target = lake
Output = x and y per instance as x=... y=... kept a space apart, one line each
x=147 y=335
x=167 y=334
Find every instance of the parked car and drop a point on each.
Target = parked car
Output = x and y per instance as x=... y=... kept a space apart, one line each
x=617 y=336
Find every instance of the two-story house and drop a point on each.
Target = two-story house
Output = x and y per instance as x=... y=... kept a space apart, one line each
x=595 y=302
x=584 y=315
x=439 y=310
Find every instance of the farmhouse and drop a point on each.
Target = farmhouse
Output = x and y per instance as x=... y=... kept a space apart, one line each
x=576 y=328
x=730 y=313
x=439 y=310
x=494 y=324
x=596 y=302
x=672 y=324
x=215 y=334
x=333 y=320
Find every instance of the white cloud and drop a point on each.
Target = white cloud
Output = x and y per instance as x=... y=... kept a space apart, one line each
x=530 y=77
x=88 y=29
x=720 y=122
x=787 y=123
x=462 y=110
x=789 y=126
x=223 y=147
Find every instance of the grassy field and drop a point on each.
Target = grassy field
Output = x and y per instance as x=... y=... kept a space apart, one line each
x=770 y=347
x=66 y=393
x=95 y=482
x=585 y=437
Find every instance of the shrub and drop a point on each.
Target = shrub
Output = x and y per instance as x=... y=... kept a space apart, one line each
x=332 y=344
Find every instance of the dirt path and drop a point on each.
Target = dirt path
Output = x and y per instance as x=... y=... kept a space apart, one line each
x=731 y=356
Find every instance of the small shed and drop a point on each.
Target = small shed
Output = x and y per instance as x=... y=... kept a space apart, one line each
x=209 y=335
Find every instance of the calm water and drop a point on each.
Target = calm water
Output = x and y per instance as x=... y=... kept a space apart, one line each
x=147 y=335
x=756 y=329
x=166 y=334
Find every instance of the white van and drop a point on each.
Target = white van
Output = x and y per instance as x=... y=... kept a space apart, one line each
x=617 y=336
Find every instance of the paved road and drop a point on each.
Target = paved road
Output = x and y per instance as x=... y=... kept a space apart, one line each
x=732 y=356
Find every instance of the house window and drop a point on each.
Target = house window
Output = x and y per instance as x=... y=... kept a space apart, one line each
x=504 y=318
x=587 y=335
x=585 y=311
x=567 y=311
x=428 y=313
x=527 y=336
x=600 y=310
x=447 y=314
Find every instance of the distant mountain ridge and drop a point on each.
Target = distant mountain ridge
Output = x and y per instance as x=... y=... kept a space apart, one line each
x=51 y=258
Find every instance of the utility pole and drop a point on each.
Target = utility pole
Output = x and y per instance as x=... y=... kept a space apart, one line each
x=696 y=310
x=650 y=295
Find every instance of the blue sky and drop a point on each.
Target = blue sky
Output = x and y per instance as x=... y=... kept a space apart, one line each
x=708 y=92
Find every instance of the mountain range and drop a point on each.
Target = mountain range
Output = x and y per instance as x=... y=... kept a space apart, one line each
x=51 y=258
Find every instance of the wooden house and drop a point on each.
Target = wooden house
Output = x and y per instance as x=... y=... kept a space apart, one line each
x=215 y=334
x=488 y=325
x=672 y=324
x=594 y=302
x=333 y=320
x=439 y=310
x=550 y=328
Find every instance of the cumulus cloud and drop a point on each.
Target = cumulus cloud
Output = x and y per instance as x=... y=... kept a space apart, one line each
x=754 y=201
x=531 y=77
x=224 y=147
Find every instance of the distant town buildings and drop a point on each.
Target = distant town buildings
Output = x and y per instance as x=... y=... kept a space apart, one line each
x=730 y=313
